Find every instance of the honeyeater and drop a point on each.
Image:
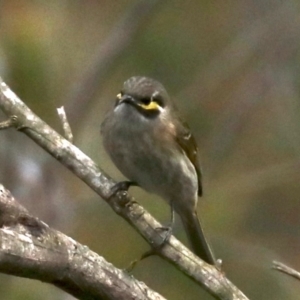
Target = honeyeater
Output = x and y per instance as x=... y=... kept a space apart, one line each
x=154 y=148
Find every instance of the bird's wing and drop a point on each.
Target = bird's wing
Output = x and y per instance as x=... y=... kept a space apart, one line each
x=187 y=142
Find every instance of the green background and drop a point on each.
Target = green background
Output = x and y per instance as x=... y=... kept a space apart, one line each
x=233 y=69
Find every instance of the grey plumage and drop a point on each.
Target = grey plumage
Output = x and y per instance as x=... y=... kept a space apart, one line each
x=151 y=146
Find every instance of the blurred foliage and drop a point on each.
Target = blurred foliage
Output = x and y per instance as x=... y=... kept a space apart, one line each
x=233 y=69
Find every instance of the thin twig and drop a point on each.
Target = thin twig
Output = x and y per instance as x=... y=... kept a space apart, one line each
x=278 y=266
x=65 y=124
x=9 y=123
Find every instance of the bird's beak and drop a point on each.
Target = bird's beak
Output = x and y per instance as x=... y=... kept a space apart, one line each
x=124 y=99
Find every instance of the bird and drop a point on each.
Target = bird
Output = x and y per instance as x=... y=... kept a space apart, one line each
x=154 y=148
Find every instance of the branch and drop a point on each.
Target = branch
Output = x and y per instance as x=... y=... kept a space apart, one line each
x=209 y=277
x=9 y=123
x=30 y=248
x=285 y=269
x=65 y=124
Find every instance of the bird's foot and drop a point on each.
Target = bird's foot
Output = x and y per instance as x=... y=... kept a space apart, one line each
x=168 y=232
x=153 y=251
x=121 y=186
x=143 y=256
x=167 y=229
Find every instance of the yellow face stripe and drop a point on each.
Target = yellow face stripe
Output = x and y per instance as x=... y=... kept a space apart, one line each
x=151 y=106
x=119 y=96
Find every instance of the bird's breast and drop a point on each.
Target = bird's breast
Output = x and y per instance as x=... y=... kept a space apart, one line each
x=147 y=153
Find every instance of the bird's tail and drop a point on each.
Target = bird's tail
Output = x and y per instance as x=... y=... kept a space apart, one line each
x=197 y=239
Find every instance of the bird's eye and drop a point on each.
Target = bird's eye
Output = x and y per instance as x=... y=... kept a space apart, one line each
x=150 y=104
x=158 y=99
x=145 y=101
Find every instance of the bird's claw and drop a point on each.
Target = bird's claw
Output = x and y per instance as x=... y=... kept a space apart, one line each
x=121 y=186
x=168 y=232
x=135 y=262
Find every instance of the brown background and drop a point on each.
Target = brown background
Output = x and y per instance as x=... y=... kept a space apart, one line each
x=233 y=69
